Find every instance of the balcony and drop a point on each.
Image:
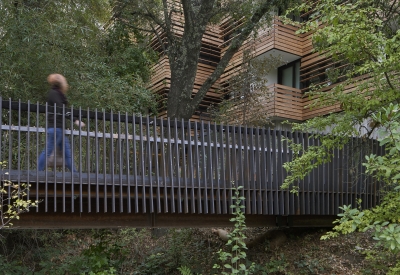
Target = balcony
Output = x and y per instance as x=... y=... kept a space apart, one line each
x=278 y=103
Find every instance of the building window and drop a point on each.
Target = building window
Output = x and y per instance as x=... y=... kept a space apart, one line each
x=289 y=75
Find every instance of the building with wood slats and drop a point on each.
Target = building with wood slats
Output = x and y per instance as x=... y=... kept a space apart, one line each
x=287 y=84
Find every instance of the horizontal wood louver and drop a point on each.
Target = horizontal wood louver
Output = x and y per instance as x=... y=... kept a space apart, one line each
x=276 y=36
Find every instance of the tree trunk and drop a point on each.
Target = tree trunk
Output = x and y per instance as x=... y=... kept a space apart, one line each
x=183 y=57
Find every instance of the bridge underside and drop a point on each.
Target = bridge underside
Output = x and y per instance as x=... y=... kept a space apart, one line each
x=33 y=220
x=113 y=201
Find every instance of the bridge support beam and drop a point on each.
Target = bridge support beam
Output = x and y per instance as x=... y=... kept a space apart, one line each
x=154 y=220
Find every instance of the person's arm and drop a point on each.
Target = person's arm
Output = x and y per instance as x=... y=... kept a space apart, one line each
x=54 y=97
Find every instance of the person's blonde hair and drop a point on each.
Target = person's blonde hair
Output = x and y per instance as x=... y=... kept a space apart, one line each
x=59 y=81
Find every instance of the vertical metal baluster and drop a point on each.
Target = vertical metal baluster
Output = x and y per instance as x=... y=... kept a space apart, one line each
x=335 y=182
x=63 y=157
x=178 y=174
x=149 y=157
x=97 y=149
x=142 y=164
x=223 y=160
x=120 y=166
x=234 y=172
x=210 y=183
x=320 y=198
x=163 y=167
x=190 y=166
x=331 y=185
x=274 y=154
x=270 y=171
x=369 y=179
x=257 y=197
x=156 y=164
x=127 y=153
x=1 y=129
x=246 y=170
x=240 y=155
x=184 y=169
x=45 y=166
x=285 y=194
x=73 y=161
x=88 y=160
x=265 y=149
x=216 y=171
x=55 y=150
x=323 y=176
x=241 y=163
x=80 y=165
x=305 y=182
x=105 y=160
x=280 y=172
x=203 y=169
x=252 y=170
x=342 y=163
x=112 y=162
x=197 y=168
x=311 y=197
x=10 y=151
x=28 y=142
x=135 y=164
x=37 y=155
x=170 y=168
x=19 y=147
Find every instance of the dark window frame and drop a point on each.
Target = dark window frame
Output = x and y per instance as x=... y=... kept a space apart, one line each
x=293 y=66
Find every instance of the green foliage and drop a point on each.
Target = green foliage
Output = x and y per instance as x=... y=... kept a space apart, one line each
x=105 y=68
x=249 y=103
x=13 y=200
x=185 y=270
x=383 y=220
x=364 y=36
x=355 y=35
x=233 y=262
x=276 y=265
x=309 y=265
x=162 y=260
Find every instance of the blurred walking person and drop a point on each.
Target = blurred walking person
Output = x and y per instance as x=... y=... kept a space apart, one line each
x=55 y=131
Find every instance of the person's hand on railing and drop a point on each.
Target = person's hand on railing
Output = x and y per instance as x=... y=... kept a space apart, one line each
x=79 y=123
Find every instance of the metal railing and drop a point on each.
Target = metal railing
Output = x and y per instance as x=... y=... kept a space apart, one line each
x=137 y=164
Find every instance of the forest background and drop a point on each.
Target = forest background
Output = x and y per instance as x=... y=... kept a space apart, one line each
x=107 y=63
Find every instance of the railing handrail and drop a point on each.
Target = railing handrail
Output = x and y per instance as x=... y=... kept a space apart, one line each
x=132 y=118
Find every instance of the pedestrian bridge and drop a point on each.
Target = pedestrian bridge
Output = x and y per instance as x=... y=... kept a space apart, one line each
x=141 y=171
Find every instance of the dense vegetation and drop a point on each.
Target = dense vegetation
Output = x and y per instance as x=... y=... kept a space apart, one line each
x=364 y=37
x=107 y=67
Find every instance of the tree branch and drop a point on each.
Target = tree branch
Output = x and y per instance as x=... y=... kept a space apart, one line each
x=233 y=48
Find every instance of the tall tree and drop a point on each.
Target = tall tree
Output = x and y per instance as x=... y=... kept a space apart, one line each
x=105 y=68
x=160 y=18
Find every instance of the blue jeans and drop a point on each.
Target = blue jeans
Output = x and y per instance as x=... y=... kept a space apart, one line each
x=50 y=147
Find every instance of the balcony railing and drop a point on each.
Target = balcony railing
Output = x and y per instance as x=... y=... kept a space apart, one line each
x=136 y=164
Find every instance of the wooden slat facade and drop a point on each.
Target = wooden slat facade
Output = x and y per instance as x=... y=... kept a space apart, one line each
x=277 y=36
